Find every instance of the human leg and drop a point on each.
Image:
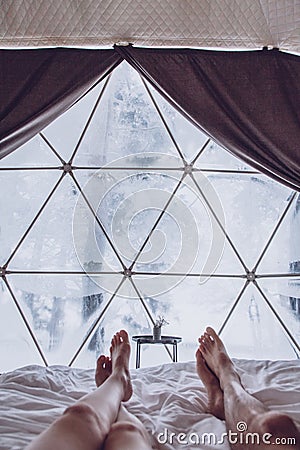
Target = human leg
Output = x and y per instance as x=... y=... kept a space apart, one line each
x=85 y=425
x=239 y=405
x=215 y=403
x=127 y=432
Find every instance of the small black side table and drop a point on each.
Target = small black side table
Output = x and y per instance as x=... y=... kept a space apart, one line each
x=148 y=339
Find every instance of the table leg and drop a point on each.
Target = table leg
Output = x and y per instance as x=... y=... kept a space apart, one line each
x=175 y=352
x=138 y=355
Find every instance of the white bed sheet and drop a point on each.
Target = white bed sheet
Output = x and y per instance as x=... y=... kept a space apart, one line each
x=166 y=397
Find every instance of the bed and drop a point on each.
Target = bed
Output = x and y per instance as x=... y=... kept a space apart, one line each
x=168 y=398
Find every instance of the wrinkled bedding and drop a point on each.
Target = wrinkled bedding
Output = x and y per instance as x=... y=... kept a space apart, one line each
x=168 y=399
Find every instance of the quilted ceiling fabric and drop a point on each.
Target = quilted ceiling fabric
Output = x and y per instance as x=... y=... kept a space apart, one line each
x=229 y=24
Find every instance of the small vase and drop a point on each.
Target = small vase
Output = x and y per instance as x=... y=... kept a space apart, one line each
x=156 y=333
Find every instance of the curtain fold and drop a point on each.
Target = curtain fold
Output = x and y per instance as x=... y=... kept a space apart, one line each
x=247 y=101
x=38 y=85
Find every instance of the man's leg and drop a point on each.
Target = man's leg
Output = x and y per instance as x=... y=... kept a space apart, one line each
x=85 y=425
x=240 y=406
x=215 y=404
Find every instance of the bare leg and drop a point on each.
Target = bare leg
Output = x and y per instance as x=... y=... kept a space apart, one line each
x=215 y=394
x=85 y=425
x=240 y=405
x=127 y=432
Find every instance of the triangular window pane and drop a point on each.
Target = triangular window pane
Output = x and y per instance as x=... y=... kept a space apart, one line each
x=124 y=312
x=252 y=205
x=61 y=310
x=17 y=347
x=254 y=332
x=65 y=131
x=50 y=244
x=128 y=204
x=215 y=157
x=229 y=263
x=23 y=193
x=203 y=231
x=188 y=304
x=125 y=123
x=283 y=254
x=284 y=295
x=189 y=138
x=35 y=153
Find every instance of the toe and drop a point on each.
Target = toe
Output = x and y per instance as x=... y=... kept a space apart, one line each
x=202 y=348
x=116 y=339
x=124 y=335
x=198 y=355
x=206 y=340
x=201 y=338
x=200 y=359
x=211 y=332
x=101 y=360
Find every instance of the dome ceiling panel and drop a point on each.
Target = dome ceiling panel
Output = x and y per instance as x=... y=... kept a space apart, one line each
x=202 y=23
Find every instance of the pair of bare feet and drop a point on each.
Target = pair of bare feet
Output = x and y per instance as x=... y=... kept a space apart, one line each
x=213 y=366
x=117 y=363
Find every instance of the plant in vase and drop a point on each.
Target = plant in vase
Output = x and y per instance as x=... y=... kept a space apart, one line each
x=160 y=322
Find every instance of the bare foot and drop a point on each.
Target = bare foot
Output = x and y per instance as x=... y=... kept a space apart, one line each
x=103 y=369
x=120 y=353
x=215 y=404
x=216 y=357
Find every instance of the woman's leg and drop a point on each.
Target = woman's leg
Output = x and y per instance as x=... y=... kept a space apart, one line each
x=85 y=425
x=127 y=432
x=241 y=407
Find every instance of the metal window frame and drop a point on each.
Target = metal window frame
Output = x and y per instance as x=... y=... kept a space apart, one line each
x=5 y=271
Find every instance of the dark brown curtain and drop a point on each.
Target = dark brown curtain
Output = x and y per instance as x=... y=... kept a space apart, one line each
x=249 y=102
x=36 y=86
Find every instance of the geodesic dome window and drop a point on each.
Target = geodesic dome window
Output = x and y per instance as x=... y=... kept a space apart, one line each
x=121 y=211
